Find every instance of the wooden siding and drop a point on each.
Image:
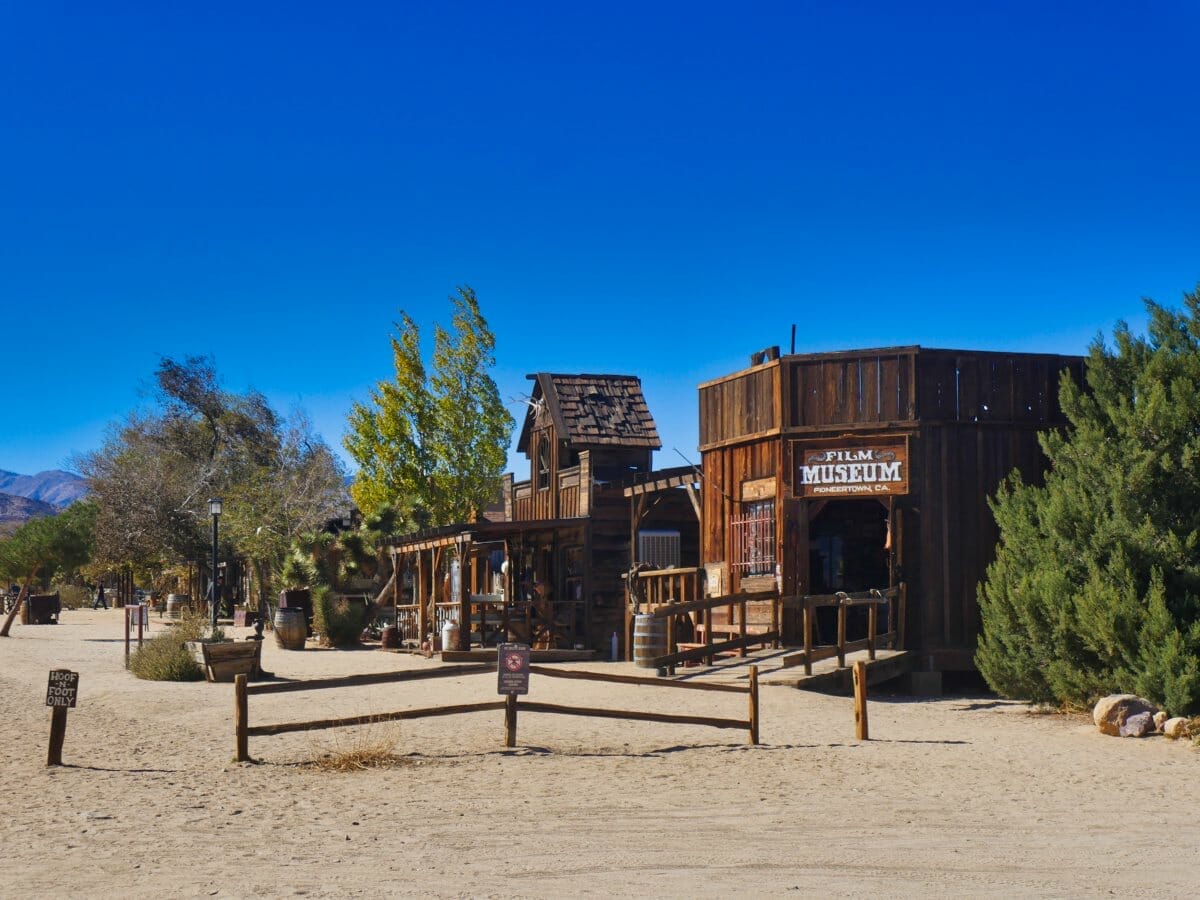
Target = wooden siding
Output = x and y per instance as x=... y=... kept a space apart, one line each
x=879 y=388
x=725 y=469
x=841 y=390
x=740 y=406
x=992 y=387
x=949 y=532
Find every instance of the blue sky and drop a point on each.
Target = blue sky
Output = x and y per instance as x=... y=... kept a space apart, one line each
x=648 y=188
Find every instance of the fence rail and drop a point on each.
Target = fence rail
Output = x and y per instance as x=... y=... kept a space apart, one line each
x=243 y=730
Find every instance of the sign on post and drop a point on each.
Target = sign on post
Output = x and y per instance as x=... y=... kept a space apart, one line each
x=63 y=688
x=513 y=668
x=60 y=696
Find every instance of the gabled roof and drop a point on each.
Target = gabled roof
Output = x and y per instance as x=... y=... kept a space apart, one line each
x=592 y=411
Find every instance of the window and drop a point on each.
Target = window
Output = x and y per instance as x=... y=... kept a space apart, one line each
x=752 y=539
x=543 y=465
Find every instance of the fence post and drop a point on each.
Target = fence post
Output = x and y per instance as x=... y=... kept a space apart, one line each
x=510 y=720
x=860 y=701
x=841 y=636
x=808 y=636
x=872 y=625
x=754 y=704
x=241 y=713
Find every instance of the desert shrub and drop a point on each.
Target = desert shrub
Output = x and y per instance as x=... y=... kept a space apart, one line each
x=72 y=596
x=338 y=620
x=164 y=658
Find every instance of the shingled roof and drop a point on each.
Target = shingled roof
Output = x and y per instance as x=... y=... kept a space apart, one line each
x=592 y=410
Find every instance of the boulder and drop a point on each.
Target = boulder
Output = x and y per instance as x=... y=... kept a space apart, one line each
x=1138 y=725
x=1176 y=727
x=1159 y=718
x=1111 y=712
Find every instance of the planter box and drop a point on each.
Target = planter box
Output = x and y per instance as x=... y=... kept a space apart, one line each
x=225 y=659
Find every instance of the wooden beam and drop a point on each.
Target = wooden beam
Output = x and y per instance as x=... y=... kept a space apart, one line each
x=637 y=679
x=635 y=715
x=694 y=497
x=314 y=684
x=286 y=727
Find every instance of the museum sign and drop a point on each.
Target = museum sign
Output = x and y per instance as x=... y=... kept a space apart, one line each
x=849 y=467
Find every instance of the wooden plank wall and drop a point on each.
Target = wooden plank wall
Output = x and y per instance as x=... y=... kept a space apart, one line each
x=992 y=387
x=724 y=471
x=847 y=389
x=739 y=406
x=949 y=531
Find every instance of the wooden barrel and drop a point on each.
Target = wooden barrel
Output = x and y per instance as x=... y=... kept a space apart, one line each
x=176 y=604
x=649 y=640
x=291 y=627
x=389 y=638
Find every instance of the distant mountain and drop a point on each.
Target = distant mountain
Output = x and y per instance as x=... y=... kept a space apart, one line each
x=22 y=509
x=56 y=487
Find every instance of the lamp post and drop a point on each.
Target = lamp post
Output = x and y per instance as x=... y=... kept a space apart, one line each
x=214 y=508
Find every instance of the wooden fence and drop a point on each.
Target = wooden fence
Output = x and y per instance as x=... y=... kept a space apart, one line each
x=753 y=619
x=892 y=598
x=243 y=730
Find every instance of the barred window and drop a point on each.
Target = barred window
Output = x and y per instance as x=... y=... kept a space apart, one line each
x=752 y=539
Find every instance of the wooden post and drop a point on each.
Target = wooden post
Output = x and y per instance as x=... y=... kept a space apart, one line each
x=58 y=734
x=126 y=637
x=708 y=636
x=672 y=647
x=841 y=637
x=241 y=714
x=754 y=704
x=860 y=701
x=899 y=629
x=808 y=637
x=872 y=625
x=143 y=616
x=510 y=720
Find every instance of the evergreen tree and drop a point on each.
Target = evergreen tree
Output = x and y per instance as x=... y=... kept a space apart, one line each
x=433 y=444
x=1096 y=583
x=41 y=547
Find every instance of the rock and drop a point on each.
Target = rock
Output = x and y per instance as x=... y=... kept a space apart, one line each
x=1176 y=727
x=1111 y=712
x=1138 y=725
x=1159 y=718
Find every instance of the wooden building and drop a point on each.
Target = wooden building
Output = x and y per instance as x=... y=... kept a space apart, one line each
x=862 y=469
x=549 y=570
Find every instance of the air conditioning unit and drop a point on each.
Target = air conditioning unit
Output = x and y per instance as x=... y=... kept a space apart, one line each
x=658 y=548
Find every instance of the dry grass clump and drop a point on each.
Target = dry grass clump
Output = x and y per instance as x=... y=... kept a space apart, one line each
x=1192 y=729
x=373 y=748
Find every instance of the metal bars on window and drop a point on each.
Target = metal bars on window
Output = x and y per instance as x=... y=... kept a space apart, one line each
x=752 y=539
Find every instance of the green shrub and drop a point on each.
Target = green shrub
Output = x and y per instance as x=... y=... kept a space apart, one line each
x=339 y=621
x=164 y=658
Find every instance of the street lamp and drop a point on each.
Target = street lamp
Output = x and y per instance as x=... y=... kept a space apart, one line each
x=214 y=508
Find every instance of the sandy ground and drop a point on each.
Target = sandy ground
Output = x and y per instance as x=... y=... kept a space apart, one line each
x=954 y=797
